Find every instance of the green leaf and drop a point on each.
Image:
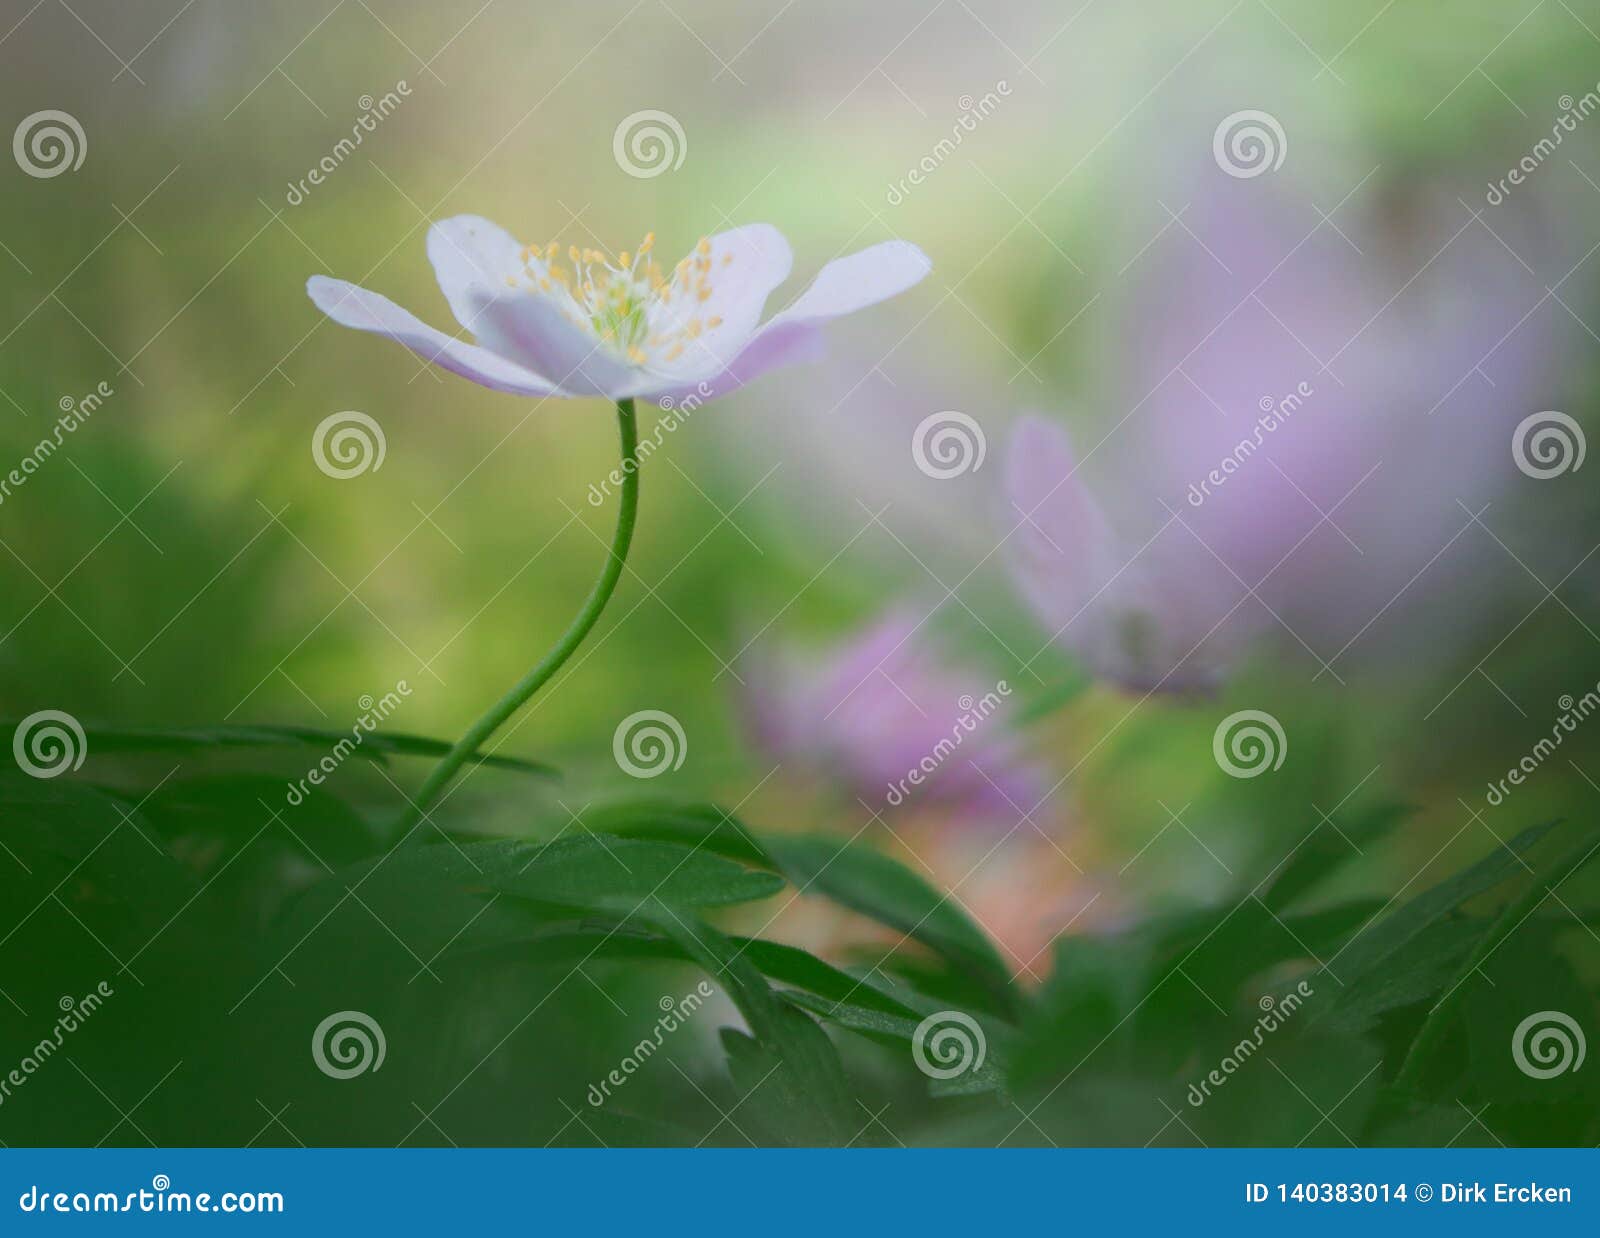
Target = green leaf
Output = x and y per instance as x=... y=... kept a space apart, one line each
x=1512 y=919
x=372 y=745
x=872 y=883
x=789 y=1070
x=592 y=871
x=1326 y=848
x=793 y=966
x=901 y=1031
x=697 y=825
x=853 y=874
x=233 y=808
x=490 y=893
x=1524 y=978
x=1381 y=943
x=1430 y=959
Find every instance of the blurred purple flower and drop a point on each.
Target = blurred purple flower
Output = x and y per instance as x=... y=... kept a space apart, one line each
x=886 y=716
x=1149 y=618
x=621 y=328
x=1311 y=413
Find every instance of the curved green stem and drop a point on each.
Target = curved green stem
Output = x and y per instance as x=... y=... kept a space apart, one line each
x=467 y=746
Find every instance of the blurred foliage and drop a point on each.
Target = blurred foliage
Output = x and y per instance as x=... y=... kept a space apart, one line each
x=509 y=977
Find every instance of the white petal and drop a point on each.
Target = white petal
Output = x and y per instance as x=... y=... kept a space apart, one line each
x=746 y=264
x=788 y=344
x=841 y=287
x=848 y=284
x=469 y=254
x=532 y=330
x=350 y=306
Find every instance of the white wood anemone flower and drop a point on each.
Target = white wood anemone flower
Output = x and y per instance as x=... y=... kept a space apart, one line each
x=619 y=326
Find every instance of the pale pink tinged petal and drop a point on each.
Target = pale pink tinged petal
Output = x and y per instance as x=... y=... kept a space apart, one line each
x=791 y=337
x=350 y=306
x=1061 y=548
x=744 y=266
x=470 y=253
x=533 y=330
x=848 y=284
x=1143 y=616
x=788 y=344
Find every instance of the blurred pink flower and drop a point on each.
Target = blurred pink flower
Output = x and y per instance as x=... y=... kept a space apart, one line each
x=1308 y=414
x=1149 y=618
x=621 y=328
x=888 y=717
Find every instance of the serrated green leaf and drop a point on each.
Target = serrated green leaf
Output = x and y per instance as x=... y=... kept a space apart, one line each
x=1379 y=944
x=872 y=883
x=788 y=1060
x=1431 y=957
x=853 y=874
